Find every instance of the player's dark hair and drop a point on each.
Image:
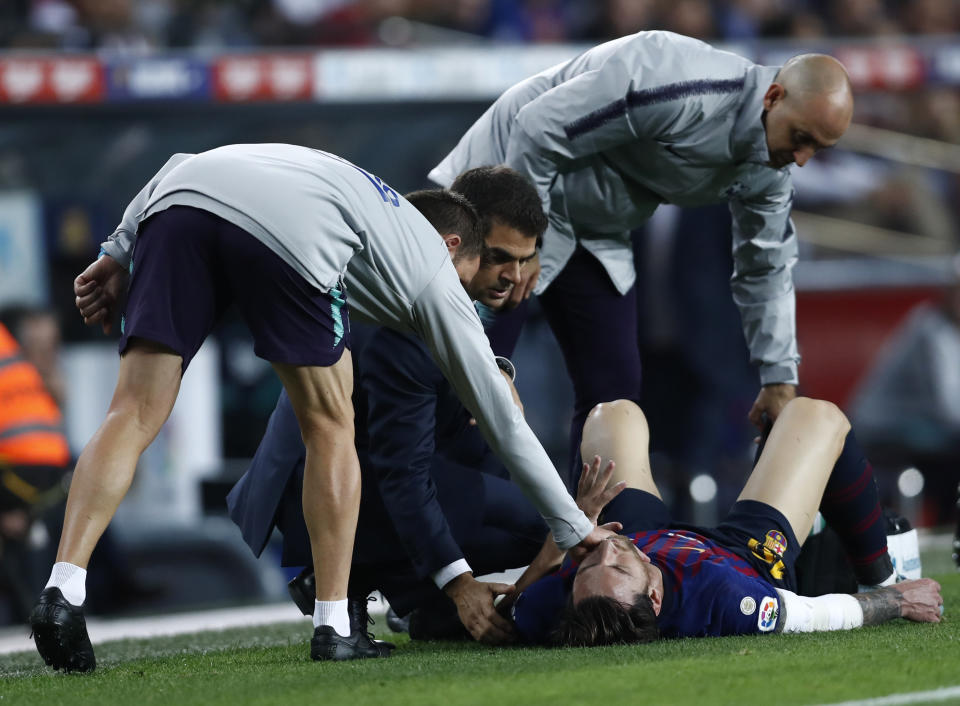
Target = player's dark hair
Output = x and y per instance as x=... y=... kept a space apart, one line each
x=601 y=620
x=450 y=212
x=501 y=194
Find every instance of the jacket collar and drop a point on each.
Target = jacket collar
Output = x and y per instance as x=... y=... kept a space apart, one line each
x=749 y=138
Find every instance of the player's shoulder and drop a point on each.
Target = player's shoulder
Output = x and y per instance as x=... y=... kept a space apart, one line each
x=681 y=55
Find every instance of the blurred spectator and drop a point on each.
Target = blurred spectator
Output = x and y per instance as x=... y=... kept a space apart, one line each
x=38 y=333
x=210 y=24
x=908 y=407
x=140 y=25
x=930 y=17
x=861 y=18
x=805 y=25
x=33 y=462
x=617 y=18
x=694 y=18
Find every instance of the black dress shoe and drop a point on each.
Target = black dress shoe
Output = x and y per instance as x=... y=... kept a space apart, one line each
x=60 y=633
x=360 y=619
x=327 y=644
x=303 y=590
x=396 y=623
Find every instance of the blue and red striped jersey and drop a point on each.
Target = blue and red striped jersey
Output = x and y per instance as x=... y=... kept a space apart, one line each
x=708 y=590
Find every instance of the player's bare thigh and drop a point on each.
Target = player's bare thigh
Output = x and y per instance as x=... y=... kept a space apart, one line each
x=618 y=431
x=797 y=461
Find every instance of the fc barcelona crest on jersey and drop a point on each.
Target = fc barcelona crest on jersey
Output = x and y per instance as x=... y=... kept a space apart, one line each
x=775 y=542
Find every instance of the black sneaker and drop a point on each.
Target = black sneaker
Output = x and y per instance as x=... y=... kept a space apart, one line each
x=60 y=633
x=327 y=644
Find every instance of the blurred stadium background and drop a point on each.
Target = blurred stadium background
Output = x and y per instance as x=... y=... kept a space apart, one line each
x=96 y=94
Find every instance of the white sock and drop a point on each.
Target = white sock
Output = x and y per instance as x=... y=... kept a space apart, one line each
x=334 y=614
x=71 y=580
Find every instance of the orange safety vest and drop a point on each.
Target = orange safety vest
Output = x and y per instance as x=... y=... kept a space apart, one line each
x=31 y=428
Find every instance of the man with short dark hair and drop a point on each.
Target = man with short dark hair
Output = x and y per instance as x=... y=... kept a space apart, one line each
x=659 y=577
x=416 y=446
x=281 y=231
x=655 y=118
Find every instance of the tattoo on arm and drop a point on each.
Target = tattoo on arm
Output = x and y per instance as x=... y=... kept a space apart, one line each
x=880 y=606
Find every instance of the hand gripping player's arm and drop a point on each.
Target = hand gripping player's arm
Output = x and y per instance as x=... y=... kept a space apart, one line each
x=98 y=288
x=918 y=600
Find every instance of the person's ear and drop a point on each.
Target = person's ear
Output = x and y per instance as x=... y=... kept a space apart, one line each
x=774 y=95
x=452 y=241
x=656 y=598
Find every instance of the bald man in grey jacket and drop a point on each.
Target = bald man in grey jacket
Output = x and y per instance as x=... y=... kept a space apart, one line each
x=656 y=118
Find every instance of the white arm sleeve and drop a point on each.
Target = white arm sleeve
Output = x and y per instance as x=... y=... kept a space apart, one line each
x=119 y=245
x=834 y=611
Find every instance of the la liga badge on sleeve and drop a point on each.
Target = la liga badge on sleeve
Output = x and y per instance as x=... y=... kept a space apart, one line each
x=767 y=619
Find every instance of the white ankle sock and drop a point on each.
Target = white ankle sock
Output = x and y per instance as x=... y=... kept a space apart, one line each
x=71 y=580
x=334 y=614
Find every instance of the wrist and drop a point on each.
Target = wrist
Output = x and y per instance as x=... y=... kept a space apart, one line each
x=458 y=583
x=507 y=367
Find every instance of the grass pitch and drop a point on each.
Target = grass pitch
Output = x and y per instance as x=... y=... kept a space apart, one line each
x=272 y=665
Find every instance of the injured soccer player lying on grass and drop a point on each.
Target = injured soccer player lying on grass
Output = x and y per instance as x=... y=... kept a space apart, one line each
x=659 y=578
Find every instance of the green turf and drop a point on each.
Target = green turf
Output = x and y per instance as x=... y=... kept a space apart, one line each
x=272 y=666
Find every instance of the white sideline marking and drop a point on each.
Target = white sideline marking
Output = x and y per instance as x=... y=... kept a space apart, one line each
x=916 y=697
x=103 y=630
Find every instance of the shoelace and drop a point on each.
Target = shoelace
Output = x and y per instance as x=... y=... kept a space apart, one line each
x=370 y=621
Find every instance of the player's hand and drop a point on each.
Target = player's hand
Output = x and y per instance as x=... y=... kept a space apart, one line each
x=593 y=539
x=474 y=601
x=593 y=492
x=771 y=401
x=98 y=291
x=921 y=600
x=529 y=274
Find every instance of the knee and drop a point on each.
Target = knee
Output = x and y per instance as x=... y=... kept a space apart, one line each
x=326 y=422
x=136 y=413
x=618 y=413
x=822 y=412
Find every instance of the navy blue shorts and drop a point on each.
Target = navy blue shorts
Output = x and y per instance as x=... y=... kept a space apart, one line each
x=755 y=531
x=189 y=265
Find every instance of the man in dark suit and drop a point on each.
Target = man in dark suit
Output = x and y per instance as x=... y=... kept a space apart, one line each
x=416 y=443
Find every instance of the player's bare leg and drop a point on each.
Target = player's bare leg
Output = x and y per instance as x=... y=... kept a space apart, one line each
x=147 y=387
x=617 y=431
x=321 y=399
x=797 y=461
x=146 y=390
